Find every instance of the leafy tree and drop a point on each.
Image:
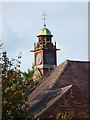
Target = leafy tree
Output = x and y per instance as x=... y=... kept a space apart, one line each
x=28 y=76
x=14 y=94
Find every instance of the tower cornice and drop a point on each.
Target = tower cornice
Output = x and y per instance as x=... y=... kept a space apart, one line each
x=44 y=49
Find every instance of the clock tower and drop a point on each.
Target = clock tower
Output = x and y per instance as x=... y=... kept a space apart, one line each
x=45 y=58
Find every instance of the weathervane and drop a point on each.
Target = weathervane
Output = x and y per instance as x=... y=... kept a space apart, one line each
x=44 y=18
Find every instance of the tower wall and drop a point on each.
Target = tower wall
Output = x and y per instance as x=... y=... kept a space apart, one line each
x=45 y=58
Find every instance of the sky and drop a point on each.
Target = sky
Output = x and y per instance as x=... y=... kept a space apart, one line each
x=67 y=21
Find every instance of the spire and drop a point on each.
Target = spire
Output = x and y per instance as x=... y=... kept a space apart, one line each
x=44 y=18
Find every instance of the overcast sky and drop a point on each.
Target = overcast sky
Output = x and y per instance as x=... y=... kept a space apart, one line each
x=67 y=21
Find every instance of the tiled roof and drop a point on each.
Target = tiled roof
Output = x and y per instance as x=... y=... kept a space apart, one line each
x=46 y=100
x=57 y=83
x=76 y=73
x=48 y=81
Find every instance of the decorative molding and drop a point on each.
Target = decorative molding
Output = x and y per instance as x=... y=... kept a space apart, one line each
x=45 y=66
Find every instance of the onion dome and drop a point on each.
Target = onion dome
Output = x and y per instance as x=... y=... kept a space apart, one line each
x=44 y=31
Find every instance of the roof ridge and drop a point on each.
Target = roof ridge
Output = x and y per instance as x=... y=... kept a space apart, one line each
x=41 y=79
x=60 y=73
x=66 y=88
x=86 y=61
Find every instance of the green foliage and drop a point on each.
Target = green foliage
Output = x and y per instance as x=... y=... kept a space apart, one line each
x=28 y=76
x=14 y=94
x=63 y=116
x=85 y=115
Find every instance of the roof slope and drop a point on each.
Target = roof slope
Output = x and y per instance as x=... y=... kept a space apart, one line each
x=57 y=83
x=47 y=99
x=76 y=74
x=47 y=82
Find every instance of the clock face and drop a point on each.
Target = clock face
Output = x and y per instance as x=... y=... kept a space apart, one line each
x=38 y=58
x=49 y=58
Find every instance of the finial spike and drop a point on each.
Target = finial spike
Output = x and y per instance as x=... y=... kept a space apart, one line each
x=44 y=18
